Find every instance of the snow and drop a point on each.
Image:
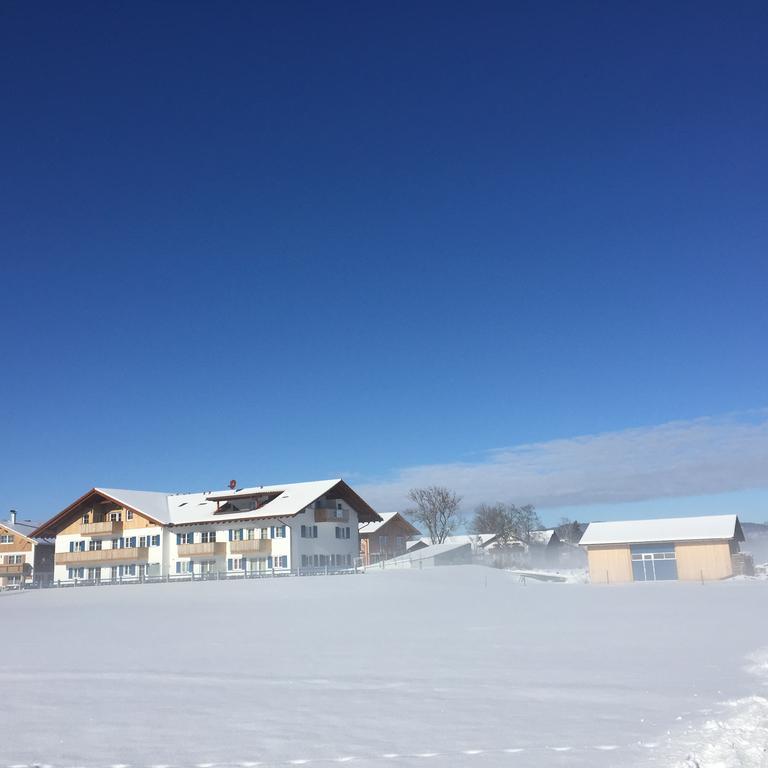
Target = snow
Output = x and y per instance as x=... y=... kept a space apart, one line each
x=477 y=540
x=703 y=528
x=452 y=666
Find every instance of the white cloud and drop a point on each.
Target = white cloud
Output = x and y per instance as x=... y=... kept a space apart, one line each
x=679 y=458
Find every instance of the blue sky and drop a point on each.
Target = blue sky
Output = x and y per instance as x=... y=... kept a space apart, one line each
x=282 y=241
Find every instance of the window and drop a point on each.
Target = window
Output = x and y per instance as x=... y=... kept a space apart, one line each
x=129 y=514
x=76 y=573
x=94 y=544
x=208 y=537
x=6 y=539
x=156 y=540
x=77 y=546
x=86 y=518
x=309 y=531
x=400 y=542
x=183 y=566
x=185 y=538
x=15 y=559
x=383 y=541
x=280 y=532
x=115 y=517
x=236 y=534
x=653 y=562
x=342 y=532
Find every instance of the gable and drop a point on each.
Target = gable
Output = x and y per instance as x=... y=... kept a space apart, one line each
x=18 y=542
x=91 y=511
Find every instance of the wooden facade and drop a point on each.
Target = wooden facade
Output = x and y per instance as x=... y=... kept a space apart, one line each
x=610 y=564
x=387 y=540
x=673 y=549
x=706 y=560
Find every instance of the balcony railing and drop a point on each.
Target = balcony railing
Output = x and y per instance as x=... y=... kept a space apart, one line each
x=331 y=515
x=103 y=555
x=105 y=528
x=210 y=549
x=15 y=569
x=248 y=546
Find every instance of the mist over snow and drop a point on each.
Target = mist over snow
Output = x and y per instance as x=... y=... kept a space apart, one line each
x=708 y=455
x=457 y=666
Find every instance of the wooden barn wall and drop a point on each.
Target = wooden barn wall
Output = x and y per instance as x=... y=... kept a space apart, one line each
x=710 y=560
x=610 y=565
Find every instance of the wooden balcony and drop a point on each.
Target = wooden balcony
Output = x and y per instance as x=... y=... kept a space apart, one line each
x=331 y=515
x=251 y=546
x=16 y=569
x=211 y=549
x=130 y=554
x=105 y=528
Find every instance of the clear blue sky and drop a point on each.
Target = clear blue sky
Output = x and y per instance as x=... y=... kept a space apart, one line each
x=282 y=241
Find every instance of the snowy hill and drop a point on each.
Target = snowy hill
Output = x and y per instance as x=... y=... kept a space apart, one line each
x=460 y=663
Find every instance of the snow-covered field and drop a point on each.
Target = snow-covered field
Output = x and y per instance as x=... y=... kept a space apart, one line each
x=459 y=666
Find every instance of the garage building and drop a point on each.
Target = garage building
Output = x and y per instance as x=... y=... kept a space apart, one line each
x=681 y=548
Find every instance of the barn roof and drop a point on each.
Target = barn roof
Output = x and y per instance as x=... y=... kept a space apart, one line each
x=387 y=517
x=544 y=538
x=480 y=540
x=705 y=528
x=431 y=551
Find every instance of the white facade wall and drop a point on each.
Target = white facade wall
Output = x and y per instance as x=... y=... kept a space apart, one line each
x=326 y=543
x=211 y=547
x=111 y=568
x=277 y=532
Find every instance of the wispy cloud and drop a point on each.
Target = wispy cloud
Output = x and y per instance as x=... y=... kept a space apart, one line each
x=680 y=458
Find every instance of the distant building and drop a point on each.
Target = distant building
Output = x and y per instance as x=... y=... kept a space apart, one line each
x=432 y=556
x=110 y=534
x=477 y=541
x=24 y=559
x=544 y=549
x=684 y=548
x=385 y=538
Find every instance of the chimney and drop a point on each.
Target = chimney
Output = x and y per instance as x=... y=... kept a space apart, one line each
x=13 y=517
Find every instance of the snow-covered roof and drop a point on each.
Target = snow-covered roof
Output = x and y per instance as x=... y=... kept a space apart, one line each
x=373 y=527
x=541 y=537
x=712 y=527
x=22 y=527
x=431 y=551
x=386 y=517
x=151 y=503
x=475 y=539
x=187 y=508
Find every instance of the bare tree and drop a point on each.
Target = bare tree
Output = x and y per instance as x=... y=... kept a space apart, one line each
x=524 y=521
x=436 y=509
x=569 y=530
x=496 y=519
